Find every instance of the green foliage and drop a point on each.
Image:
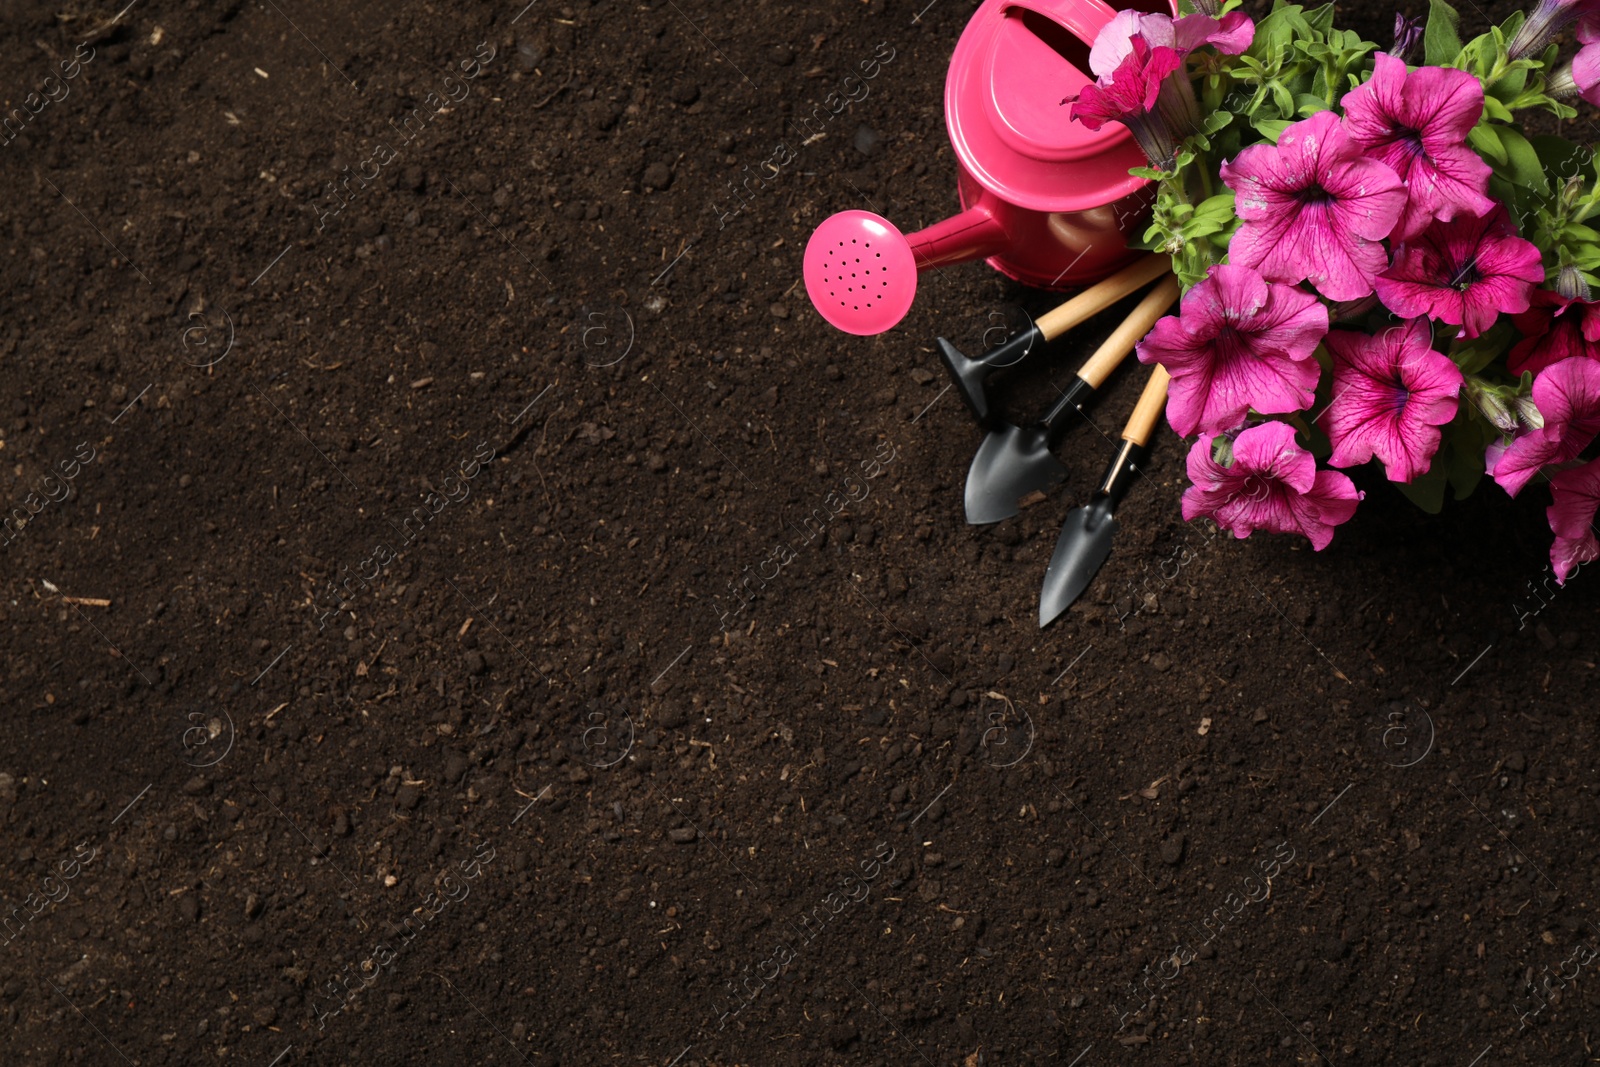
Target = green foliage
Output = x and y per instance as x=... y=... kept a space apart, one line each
x=1458 y=464
x=1477 y=353
x=1441 y=38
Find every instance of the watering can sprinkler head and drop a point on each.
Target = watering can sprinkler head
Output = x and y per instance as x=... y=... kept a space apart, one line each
x=860 y=272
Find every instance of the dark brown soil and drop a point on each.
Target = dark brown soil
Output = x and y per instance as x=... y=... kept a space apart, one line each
x=517 y=795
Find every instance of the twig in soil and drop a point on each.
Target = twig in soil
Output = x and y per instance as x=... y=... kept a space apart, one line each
x=554 y=92
x=87 y=601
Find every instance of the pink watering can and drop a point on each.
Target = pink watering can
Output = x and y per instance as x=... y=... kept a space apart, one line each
x=1046 y=201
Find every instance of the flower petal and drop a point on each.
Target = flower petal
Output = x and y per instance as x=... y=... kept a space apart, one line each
x=1392 y=392
x=1576 y=496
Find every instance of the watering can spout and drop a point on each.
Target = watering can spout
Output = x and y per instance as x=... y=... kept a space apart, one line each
x=976 y=233
x=861 y=271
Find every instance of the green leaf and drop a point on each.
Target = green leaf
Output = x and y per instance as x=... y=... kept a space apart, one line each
x=1522 y=162
x=1441 y=40
x=1308 y=104
x=1466 y=440
x=1320 y=20
x=1477 y=353
x=1510 y=84
x=1561 y=158
x=1314 y=439
x=1283 y=99
x=1271 y=129
x=1217 y=208
x=1276 y=34
x=1427 y=490
x=1216 y=121
x=1496 y=111
x=1508 y=29
x=1487 y=143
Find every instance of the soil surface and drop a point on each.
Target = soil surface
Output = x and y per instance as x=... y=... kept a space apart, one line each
x=456 y=306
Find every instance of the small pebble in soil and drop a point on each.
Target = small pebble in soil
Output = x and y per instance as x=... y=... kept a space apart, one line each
x=657 y=176
x=1172 y=849
x=867 y=141
x=683 y=835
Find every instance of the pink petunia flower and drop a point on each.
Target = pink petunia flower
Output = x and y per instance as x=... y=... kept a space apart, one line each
x=1237 y=343
x=1417 y=124
x=1174 y=114
x=1554 y=328
x=1391 y=393
x=1586 y=64
x=1230 y=35
x=1464 y=272
x=1314 y=208
x=1567 y=395
x=1273 y=485
x=1576 y=496
x=1129 y=96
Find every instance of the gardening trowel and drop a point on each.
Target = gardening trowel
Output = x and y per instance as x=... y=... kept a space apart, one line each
x=1014 y=461
x=1085 y=539
x=971 y=374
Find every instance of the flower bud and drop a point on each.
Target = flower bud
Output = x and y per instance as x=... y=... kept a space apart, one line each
x=1547 y=20
x=1561 y=85
x=1407 y=35
x=1528 y=412
x=1570 y=284
x=1493 y=406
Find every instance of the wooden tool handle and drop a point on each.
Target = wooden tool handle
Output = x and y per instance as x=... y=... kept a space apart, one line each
x=1148 y=409
x=1122 y=340
x=1102 y=295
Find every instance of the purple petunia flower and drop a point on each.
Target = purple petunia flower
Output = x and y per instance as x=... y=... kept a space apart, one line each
x=1567 y=395
x=1314 y=209
x=1464 y=272
x=1237 y=343
x=1273 y=485
x=1417 y=124
x=1391 y=393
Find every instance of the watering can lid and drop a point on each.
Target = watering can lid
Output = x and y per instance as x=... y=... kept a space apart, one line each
x=1014 y=63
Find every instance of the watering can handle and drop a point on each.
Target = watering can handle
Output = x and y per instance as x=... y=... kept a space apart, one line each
x=1084 y=18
